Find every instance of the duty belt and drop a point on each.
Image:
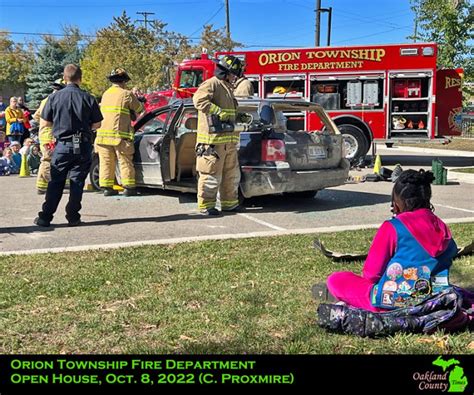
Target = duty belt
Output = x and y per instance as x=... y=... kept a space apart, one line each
x=84 y=139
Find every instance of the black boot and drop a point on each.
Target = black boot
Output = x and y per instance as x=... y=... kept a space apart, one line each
x=110 y=192
x=130 y=192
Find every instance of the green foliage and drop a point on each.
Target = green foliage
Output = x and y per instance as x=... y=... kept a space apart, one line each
x=15 y=63
x=216 y=40
x=50 y=62
x=144 y=53
x=450 y=24
x=47 y=68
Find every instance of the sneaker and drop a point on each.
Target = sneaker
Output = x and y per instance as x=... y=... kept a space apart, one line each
x=41 y=222
x=40 y=191
x=210 y=211
x=321 y=293
x=74 y=223
x=236 y=209
x=130 y=192
x=110 y=192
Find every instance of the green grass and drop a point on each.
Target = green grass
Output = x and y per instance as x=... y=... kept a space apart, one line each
x=459 y=144
x=466 y=170
x=235 y=296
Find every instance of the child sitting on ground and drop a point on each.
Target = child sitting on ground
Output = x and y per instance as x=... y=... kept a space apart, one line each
x=7 y=164
x=409 y=258
x=15 y=147
x=34 y=159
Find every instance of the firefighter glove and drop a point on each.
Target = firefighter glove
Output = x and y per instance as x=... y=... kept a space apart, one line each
x=224 y=114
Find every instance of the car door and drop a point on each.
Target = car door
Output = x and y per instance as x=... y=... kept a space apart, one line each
x=150 y=133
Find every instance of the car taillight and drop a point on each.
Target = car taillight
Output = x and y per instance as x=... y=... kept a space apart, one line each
x=273 y=150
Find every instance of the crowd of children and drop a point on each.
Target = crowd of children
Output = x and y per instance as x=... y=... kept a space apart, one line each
x=11 y=157
x=17 y=138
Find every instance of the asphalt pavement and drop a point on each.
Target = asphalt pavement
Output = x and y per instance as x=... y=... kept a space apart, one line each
x=159 y=217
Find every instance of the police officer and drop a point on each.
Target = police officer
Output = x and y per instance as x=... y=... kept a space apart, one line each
x=217 y=157
x=46 y=140
x=72 y=113
x=115 y=137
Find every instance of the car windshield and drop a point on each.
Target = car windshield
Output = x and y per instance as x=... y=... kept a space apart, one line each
x=190 y=78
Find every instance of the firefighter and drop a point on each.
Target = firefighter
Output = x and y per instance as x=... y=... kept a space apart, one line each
x=46 y=140
x=115 y=137
x=243 y=87
x=217 y=158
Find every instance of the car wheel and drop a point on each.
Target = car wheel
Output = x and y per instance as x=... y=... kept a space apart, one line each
x=302 y=195
x=94 y=173
x=355 y=143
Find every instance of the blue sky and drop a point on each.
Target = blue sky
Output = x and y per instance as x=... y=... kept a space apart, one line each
x=256 y=23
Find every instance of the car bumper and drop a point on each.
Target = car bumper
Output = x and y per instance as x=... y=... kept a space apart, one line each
x=266 y=180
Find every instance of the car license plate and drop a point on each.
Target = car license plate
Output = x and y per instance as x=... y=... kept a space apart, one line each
x=317 y=152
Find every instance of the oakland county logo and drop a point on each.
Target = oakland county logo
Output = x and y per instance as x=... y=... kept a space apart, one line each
x=451 y=380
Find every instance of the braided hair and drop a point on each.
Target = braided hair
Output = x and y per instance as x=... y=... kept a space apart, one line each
x=414 y=189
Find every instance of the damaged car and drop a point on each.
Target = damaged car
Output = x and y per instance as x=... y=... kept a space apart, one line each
x=273 y=158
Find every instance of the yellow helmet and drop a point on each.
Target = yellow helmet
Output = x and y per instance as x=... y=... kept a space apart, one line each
x=279 y=89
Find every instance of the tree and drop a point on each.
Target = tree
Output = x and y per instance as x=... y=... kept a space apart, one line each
x=450 y=24
x=215 y=40
x=143 y=52
x=47 y=68
x=53 y=55
x=15 y=63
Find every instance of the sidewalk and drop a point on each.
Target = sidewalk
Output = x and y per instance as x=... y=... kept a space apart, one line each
x=430 y=151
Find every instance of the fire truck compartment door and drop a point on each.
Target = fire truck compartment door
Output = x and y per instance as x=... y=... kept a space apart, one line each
x=311 y=107
x=448 y=102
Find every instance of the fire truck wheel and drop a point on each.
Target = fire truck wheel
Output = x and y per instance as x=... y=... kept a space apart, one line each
x=355 y=143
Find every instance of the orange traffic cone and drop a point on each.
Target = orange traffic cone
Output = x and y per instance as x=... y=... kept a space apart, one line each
x=24 y=168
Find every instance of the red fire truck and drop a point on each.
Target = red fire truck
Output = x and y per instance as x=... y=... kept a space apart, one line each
x=376 y=93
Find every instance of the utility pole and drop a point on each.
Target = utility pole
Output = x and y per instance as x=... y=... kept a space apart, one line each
x=329 y=26
x=145 y=18
x=317 y=30
x=416 y=26
x=318 y=23
x=227 y=19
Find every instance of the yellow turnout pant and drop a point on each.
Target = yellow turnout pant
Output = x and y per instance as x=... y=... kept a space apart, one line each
x=221 y=174
x=44 y=171
x=108 y=156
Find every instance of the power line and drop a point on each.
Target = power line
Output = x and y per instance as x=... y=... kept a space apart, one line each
x=87 y=35
x=145 y=18
x=210 y=19
x=99 y=5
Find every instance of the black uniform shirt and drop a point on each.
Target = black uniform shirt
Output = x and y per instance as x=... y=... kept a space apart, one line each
x=71 y=110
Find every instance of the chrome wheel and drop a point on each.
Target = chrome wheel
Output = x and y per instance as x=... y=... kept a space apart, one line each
x=351 y=145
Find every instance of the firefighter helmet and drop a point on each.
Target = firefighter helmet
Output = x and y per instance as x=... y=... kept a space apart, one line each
x=118 y=75
x=231 y=64
x=279 y=89
x=58 y=84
